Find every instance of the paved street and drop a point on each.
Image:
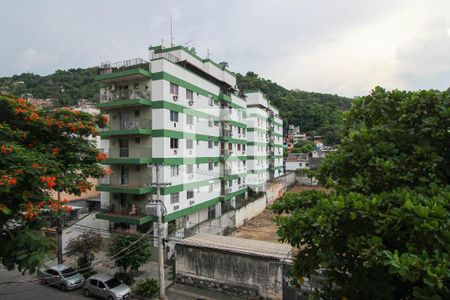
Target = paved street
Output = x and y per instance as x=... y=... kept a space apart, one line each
x=34 y=290
x=31 y=290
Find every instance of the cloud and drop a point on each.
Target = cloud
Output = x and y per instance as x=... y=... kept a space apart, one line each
x=424 y=61
x=157 y=22
x=345 y=47
x=32 y=60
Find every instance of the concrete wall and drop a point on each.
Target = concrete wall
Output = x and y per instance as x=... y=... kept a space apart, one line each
x=274 y=190
x=234 y=274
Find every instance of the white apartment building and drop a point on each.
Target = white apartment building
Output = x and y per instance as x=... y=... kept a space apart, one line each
x=183 y=115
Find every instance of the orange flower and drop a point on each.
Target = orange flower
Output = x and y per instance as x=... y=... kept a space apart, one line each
x=35 y=166
x=55 y=150
x=50 y=181
x=67 y=208
x=108 y=171
x=105 y=119
x=12 y=181
x=41 y=204
x=19 y=171
x=101 y=156
x=7 y=149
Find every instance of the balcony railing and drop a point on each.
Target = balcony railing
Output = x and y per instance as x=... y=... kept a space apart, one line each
x=226 y=172
x=107 y=67
x=136 y=152
x=110 y=96
x=225 y=152
x=166 y=55
x=138 y=180
x=227 y=132
x=138 y=123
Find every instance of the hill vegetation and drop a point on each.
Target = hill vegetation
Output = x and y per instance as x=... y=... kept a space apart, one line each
x=315 y=113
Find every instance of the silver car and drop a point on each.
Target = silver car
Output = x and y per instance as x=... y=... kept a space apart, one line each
x=66 y=278
x=106 y=287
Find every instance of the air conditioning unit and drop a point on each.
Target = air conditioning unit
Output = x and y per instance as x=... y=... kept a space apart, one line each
x=190 y=127
x=192 y=202
x=174 y=124
x=175 y=151
x=176 y=207
x=190 y=176
x=190 y=152
x=175 y=98
x=191 y=102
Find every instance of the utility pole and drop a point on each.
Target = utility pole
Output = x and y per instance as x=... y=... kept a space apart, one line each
x=158 y=205
x=59 y=253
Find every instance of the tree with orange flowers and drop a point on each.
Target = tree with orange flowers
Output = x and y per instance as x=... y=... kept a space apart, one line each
x=40 y=152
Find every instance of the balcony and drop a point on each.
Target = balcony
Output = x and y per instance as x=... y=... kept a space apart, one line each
x=226 y=172
x=130 y=69
x=126 y=184
x=226 y=191
x=139 y=126
x=132 y=155
x=225 y=114
x=226 y=134
x=121 y=215
x=111 y=99
x=225 y=152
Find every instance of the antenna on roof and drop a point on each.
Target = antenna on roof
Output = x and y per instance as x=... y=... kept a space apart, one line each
x=171 y=30
x=208 y=53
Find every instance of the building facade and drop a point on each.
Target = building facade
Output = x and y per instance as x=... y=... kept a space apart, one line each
x=182 y=117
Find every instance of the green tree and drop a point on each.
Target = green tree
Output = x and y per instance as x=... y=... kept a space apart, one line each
x=136 y=253
x=35 y=148
x=384 y=231
x=84 y=247
x=303 y=147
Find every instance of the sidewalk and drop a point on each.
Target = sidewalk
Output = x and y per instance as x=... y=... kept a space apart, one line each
x=184 y=292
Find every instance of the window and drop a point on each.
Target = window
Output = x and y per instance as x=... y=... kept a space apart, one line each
x=137 y=140
x=189 y=194
x=189 y=95
x=210 y=144
x=190 y=169
x=243 y=131
x=173 y=143
x=216 y=143
x=137 y=113
x=93 y=282
x=210 y=166
x=239 y=180
x=239 y=147
x=174 y=198
x=137 y=168
x=210 y=101
x=173 y=116
x=101 y=285
x=243 y=147
x=210 y=122
x=216 y=164
x=189 y=144
x=174 y=170
x=174 y=89
x=210 y=187
x=239 y=130
x=189 y=119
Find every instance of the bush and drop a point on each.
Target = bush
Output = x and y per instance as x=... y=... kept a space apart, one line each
x=147 y=287
x=127 y=278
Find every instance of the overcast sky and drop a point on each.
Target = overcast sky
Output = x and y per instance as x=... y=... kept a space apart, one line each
x=345 y=47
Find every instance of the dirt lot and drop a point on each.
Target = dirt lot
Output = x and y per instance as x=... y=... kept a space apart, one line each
x=262 y=227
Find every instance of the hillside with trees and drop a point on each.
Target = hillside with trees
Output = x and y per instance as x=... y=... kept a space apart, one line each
x=315 y=113
x=67 y=86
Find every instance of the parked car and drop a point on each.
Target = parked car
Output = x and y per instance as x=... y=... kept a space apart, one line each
x=66 y=278
x=106 y=287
